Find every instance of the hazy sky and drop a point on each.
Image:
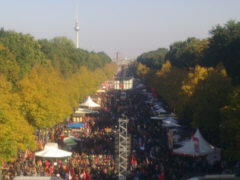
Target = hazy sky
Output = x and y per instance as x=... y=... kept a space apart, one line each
x=128 y=26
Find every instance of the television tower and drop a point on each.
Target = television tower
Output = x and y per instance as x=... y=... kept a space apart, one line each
x=76 y=28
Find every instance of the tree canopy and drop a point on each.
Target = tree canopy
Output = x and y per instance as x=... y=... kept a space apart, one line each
x=40 y=83
x=224 y=47
x=153 y=59
x=186 y=53
x=199 y=81
x=25 y=49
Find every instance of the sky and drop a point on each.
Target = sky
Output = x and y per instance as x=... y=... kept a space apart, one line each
x=130 y=27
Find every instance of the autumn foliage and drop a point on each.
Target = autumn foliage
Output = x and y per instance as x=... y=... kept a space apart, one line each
x=40 y=83
x=199 y=80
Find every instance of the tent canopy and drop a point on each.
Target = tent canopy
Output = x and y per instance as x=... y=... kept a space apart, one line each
x=75 y=125
x=85 y=111
x=169 y=119
x=170 y=124
x=70 y=141
x=51 y=151
x=161 y=110
x=196 y=146
x=89 y=103
x=156 y=118
x=101 y=91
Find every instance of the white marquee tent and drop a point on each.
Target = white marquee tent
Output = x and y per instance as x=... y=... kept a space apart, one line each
x=170 y=124
x=51 y=151
x=196 y=146
x=169 y=119
x=85 y=111
x=89 y=103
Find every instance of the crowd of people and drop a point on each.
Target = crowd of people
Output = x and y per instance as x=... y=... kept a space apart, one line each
x=151 y=157
x=93 y=157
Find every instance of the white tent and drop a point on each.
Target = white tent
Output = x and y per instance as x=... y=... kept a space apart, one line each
x=170 y=124
x=169 y=119
x=70 y=141
x=196 y=146
x=160 y=110
x=89 y=103
x=156 y=118
x=85 y=111
x=51 y=151
x=164 y=117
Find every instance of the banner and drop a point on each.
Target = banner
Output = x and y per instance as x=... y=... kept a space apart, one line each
x=170 y=139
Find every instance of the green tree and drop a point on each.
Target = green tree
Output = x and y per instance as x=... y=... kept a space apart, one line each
x=8 y=65
x=224 y=47
x=104 y=57
x=187 y=53
x=230 y=127
x=153 y=59
x=68 y=59
x=24 y=48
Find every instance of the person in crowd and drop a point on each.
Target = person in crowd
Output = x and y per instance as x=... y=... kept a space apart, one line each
x=93 y=156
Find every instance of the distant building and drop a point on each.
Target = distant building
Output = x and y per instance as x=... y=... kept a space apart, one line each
x=118 y=56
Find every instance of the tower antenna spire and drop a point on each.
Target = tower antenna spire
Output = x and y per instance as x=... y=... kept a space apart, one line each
x=76 y=28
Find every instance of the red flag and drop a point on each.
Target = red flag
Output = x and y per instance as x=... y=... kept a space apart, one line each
x=196 y=144
x=132 y=159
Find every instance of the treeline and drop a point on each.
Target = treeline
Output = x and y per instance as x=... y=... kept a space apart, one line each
x=199 y=80
x=40 y=83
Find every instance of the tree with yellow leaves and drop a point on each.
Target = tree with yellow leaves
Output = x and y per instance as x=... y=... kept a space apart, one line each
x=142 y=70
x=15 y=132
x=43 y=100
x=203 y=108
x=194 y=76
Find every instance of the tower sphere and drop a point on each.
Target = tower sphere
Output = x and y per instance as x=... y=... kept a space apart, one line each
x=76 y=28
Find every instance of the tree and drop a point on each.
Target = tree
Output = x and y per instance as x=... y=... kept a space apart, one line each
x=8 y=65
x=15 y=132
x=109 y=70
x=104 y=57
x=43 y=96
x=203 y=108
x=166 y=67
x=94 y=61
x=194 y=76
x=24 y=48
x=230 y=127
x=199 y=82
x=153 y=59
x=141 y=70
x=67 y=59
x=40 y=82
x=224 y=46
x=187 y=53
x=168 y=85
